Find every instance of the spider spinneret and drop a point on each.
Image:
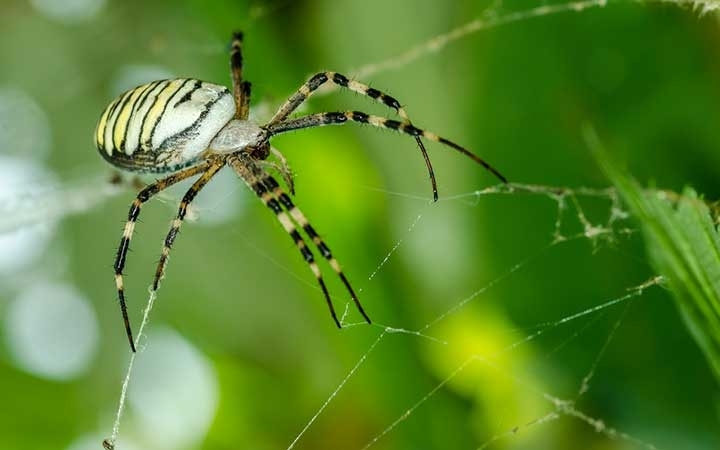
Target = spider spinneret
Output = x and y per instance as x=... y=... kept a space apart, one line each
x=186 y=127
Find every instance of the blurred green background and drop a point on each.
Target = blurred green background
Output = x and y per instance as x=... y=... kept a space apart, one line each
x=241 y=351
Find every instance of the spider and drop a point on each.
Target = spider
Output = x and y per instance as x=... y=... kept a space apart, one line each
x=186 y=127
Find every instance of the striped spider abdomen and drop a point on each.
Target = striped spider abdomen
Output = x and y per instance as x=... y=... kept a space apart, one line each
x=163 y=126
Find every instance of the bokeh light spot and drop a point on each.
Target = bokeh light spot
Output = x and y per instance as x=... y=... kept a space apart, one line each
x=24 y=126
x=22 y=247
x=51 y=331
x=174 y=392
x=68 y=11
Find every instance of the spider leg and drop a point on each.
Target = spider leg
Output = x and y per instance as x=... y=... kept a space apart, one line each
x=283 y=168
x=340 y=118
x=142 y=197
x=301 y=220
x=284 y=172
x=253 y=176
x=177 y=222
x=241 y=89
x=338 y=79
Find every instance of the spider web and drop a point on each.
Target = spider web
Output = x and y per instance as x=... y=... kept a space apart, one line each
x=568 y=203
x=558 y=407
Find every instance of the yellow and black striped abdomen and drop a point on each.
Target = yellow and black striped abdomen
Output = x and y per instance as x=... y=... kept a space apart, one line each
x=164 y=125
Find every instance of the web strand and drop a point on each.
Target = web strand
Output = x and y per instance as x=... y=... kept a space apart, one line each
x=337 y=389
x=49 y=203
x=422 y=332
x=563 y=407
x=109 y=443
x=439 y=42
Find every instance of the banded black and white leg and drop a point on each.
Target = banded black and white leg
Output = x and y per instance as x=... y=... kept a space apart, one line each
x=177 y=222
x=241 y=89
x=299 y=218
x=265 y=187
x=120 y=257
x=342 y=117
x=338 y=79
x=322 y=78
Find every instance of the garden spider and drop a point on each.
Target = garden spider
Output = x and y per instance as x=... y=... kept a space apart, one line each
x=188 y=127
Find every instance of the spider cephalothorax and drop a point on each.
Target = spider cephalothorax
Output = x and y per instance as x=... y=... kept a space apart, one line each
x=186 y=127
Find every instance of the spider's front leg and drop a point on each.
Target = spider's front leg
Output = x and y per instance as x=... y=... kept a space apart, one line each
x=320 y=79
x=343 y=117
x=338 y=79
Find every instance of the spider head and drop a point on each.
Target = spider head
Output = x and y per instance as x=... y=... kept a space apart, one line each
x=260 y=152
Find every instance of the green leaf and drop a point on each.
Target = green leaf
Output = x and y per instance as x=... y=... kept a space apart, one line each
x=683 y=245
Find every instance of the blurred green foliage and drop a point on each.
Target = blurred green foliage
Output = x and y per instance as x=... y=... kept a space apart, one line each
x=644 y=75
x=683 y=244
